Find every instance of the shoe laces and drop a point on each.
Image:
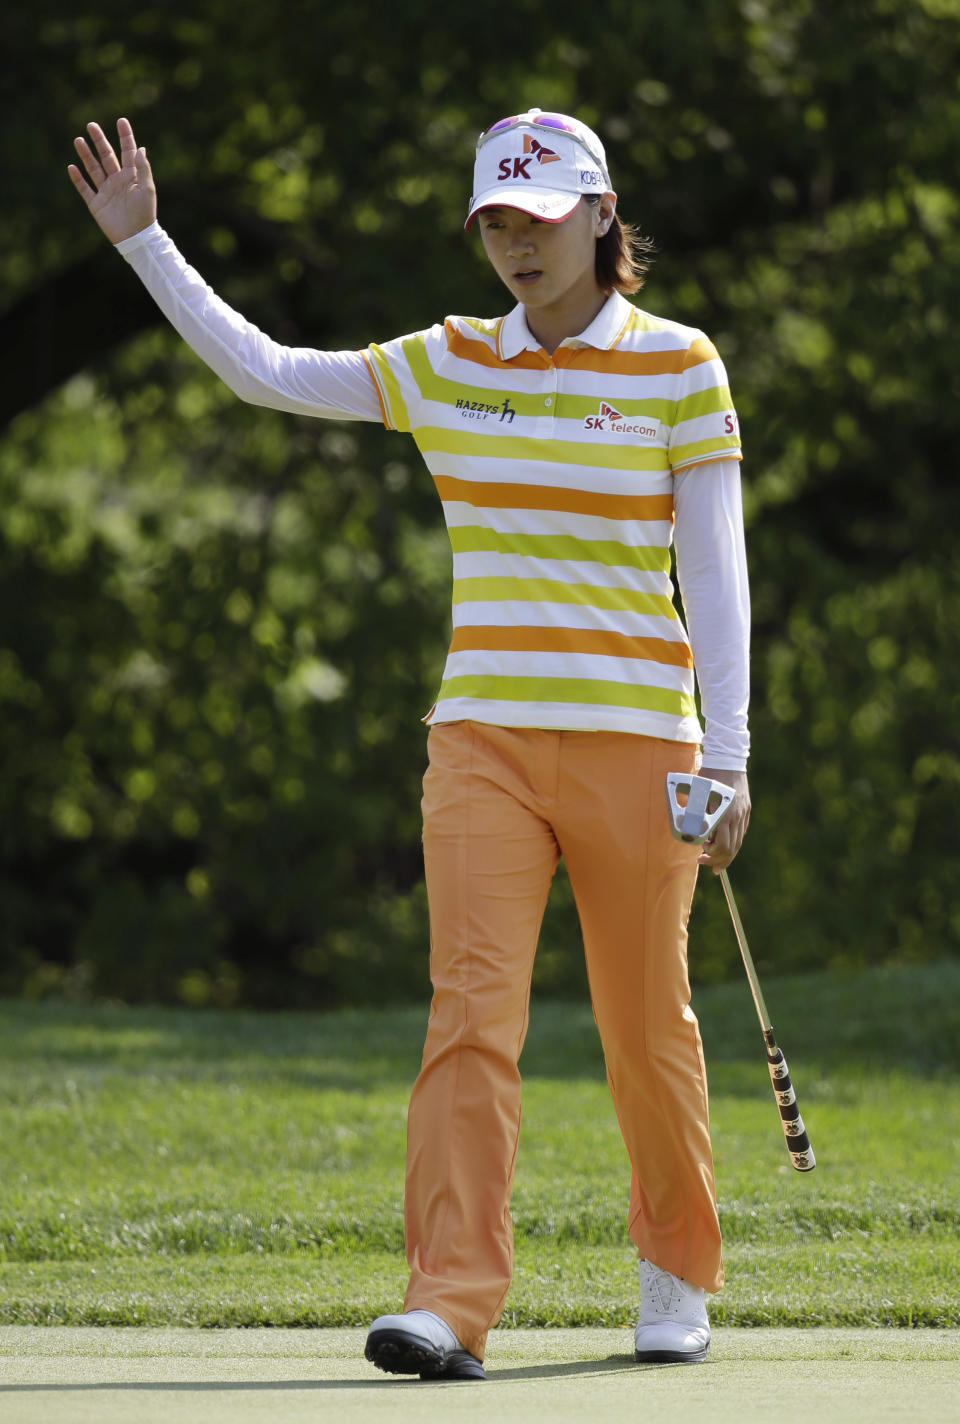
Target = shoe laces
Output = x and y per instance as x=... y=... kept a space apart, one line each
x=664 y=1291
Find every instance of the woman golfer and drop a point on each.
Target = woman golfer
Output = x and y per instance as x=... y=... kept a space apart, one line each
x=571 y=442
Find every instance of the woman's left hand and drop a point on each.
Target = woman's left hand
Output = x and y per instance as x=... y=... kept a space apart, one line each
x=120 y=194
x=720 y=850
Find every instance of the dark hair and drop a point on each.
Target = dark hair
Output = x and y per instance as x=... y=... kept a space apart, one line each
x=623 y=256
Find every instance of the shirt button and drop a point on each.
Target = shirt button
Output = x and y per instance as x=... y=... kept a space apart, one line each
x=549 y=400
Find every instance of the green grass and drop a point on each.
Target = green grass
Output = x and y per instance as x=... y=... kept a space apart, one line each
x=173 y=1167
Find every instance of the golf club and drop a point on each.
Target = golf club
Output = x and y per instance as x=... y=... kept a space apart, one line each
x=705 y=804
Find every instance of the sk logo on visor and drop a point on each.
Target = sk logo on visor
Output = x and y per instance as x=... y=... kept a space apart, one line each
x=518 y=167
x=539 y=150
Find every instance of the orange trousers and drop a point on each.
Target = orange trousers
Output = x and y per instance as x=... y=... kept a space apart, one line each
x=500 y=806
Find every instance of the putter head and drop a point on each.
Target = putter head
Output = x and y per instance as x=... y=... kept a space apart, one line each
x=706 y=803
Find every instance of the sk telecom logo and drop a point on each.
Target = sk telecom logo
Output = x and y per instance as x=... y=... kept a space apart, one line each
x=610 y=420
x=518 y=167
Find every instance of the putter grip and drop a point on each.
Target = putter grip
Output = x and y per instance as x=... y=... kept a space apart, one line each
x=798 y=1143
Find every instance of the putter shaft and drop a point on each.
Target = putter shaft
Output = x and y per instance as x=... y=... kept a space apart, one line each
x=748 y=964
x=798 y=1143
x=692 y=821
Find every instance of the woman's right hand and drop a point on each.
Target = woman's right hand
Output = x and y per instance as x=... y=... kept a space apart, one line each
x=120 y=194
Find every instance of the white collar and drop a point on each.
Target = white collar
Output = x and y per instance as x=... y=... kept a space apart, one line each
x=606 y=329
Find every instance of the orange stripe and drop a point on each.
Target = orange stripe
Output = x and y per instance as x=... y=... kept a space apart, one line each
x=592 y=358
x=570 y=640
x=636 y=363
x=585 y=358
x=627 y=363
x=469 y=348
x=376 y=387
x=490 y=495
x=702 y=350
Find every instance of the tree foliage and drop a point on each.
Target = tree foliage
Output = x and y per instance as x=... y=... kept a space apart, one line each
x=219 y=627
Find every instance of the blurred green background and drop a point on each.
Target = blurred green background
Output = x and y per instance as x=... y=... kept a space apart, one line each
x=220 y=627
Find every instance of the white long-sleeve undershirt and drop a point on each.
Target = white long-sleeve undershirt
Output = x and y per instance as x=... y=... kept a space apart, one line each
x=712 y=577
x=708 y=534
x=335 y=384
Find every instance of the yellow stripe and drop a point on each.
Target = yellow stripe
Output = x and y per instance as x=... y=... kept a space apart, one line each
x=475 y=539
x=585 y=691
x=568 y=406
x=434 y=439
x=698 y=450
x=699 y=403
x=445 y=391
x=393 y=397
x=539 y=590
x=488 y=327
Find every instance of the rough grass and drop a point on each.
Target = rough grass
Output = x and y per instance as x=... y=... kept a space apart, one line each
x=164 y=1167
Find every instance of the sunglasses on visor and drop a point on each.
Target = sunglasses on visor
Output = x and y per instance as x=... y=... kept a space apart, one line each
x=541 y=121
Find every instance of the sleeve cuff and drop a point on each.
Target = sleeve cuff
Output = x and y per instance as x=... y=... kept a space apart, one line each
x=130 y=244
x=734 y=453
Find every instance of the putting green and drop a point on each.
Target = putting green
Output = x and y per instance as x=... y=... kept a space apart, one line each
x=63 y=1375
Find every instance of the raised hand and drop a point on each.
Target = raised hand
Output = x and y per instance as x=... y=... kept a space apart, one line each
x=120 y=194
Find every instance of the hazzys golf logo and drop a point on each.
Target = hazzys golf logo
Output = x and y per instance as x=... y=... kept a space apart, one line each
x=609 y=420
x=480 y=410
x=519 y=167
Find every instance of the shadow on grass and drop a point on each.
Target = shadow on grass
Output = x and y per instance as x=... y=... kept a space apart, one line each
x=613 y=1364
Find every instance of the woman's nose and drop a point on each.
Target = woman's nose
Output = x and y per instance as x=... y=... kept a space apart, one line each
x=520 y=243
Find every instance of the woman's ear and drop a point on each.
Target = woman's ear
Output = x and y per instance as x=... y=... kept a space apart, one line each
x=605 y=211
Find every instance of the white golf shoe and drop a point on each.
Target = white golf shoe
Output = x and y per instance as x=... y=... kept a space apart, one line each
x=673 y=1326
x=420 y=1343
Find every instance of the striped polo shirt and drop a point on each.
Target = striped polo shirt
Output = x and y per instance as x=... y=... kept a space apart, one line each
x=556 y=477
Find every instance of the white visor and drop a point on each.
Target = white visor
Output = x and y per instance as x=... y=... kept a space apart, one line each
x=543 y=171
